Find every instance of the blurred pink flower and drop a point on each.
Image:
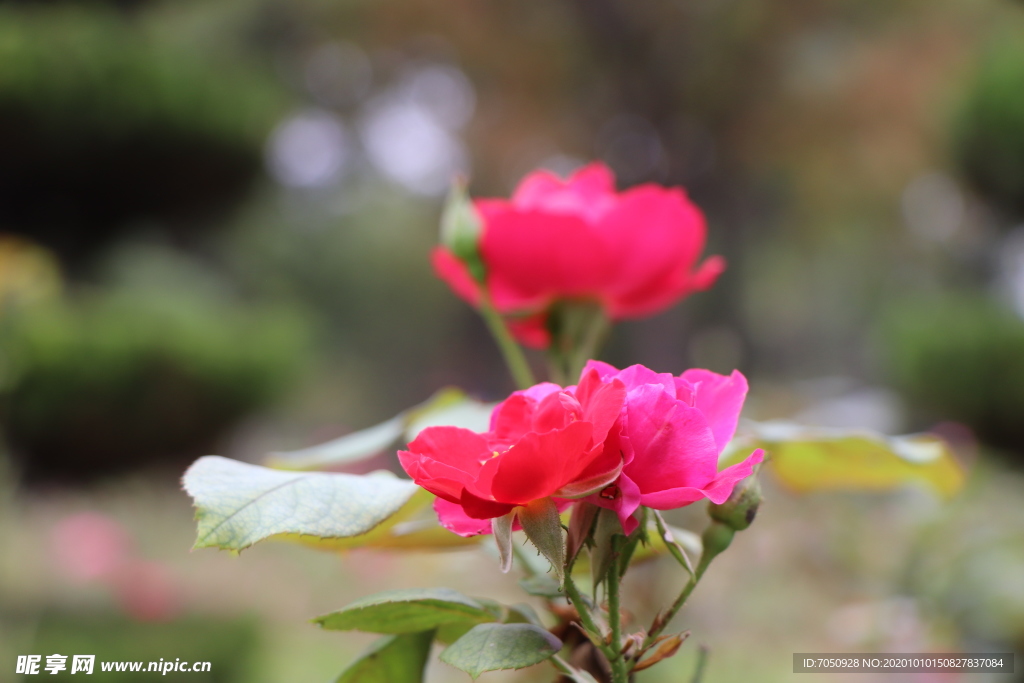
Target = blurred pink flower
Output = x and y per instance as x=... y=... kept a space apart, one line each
x=88 y=546
x=635 y=253
x=147 y=591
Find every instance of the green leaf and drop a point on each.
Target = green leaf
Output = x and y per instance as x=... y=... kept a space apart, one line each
x=813 y=459
x=348 y=449
x=543 y=527
x=369 y=442
x=406 y=611
x=669 y=540
x=238 y=504
x=465 y=412
x=414 y=534
x=541 y=585
x=521 y=613
x=489 y=647
x=413 y=527
x=395 y=659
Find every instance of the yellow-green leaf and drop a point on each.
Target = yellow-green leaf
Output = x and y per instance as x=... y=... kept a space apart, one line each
x=814 y=459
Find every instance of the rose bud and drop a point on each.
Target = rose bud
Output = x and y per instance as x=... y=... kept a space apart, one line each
x=740 y=509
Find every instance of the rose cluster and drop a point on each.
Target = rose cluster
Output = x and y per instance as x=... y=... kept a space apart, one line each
x=619 y=439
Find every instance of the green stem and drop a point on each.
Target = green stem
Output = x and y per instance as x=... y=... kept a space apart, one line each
x=614 y=614
x=563 y=666
x=510 y=350
x=590 y=341
x=667 y=617
x=578 y=329
x=702 y=661
x=620 y=667
x=556 y=367
x=711 y=552
x=585 y=617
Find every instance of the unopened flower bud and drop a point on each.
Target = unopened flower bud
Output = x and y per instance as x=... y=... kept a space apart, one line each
x=461 y=229
x=740 y=509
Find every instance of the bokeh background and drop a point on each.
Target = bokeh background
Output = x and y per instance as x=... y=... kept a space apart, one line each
x=214 y=224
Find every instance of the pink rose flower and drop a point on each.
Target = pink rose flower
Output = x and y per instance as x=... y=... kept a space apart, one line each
x=543 y=442
x=621 y=439
x=635 y=253
x=672 y=431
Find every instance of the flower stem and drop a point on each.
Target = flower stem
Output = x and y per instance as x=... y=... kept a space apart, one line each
x=620 y=667
x=579 y=329
x=593 y=337
x=563 y=666
x=556 y=367
x=589 y=625
x=510 y=350
x=716 y=539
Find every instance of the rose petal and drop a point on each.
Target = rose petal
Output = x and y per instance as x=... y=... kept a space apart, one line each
x=720 y=398
x=661 y=293
x=556 y=411
x=540 y=464
x=535 y=257
x=455 y=273
x=717 y=490
x=623 y=497
x=604 y=370
x=531 y=330
x=602 y=402
x=589 y=192
x=510 y=421
x=671 y=442
x=636 y=376
x=444 y=459
x=481 y=508
x=453 y=518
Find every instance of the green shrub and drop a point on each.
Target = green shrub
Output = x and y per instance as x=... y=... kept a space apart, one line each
x=125 y=376
x=104 y=125
x=989 y=133
x=961 y=358
x=85 y=70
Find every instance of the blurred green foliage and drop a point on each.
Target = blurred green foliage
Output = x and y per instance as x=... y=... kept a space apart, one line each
x=961 y=357
x=132 y=372
x=396 y=333
x=90 y=71
x=989 y=135
x=231 y=646
x=106 y=121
